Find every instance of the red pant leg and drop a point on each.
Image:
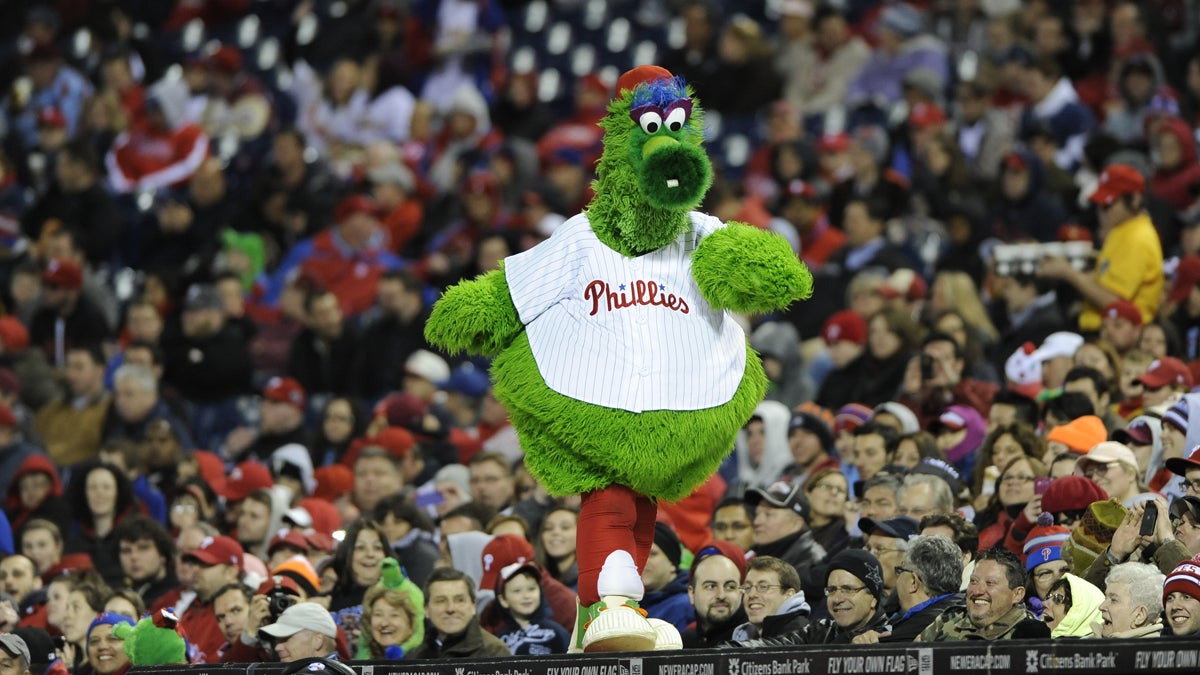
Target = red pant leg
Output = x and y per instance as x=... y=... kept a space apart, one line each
x=607 y=520
x=643 y=532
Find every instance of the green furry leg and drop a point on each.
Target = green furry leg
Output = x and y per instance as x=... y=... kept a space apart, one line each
x=574 y=447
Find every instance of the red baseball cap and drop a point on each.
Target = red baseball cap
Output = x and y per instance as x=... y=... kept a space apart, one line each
x=278 y=582
x=1165 y=371
x=325 y=516
x=51 y=116
x=402 y=410
x=925 y=115
x=839 y=142
x=244 y=479
x=291 y=538
x=333 y=481
x=501 y=552
x=7 y=418
x=284 y=390
x=1123 y=309
x=212 y=469
x=218 y=550
x=396 y=441
x=1117 y=181
x=355 y=204
x=319 y=541
x=63 y=273
x=225 y=59
x=845 y=325
x=640 y=75
x=70 y=562
x=1187 y=275
x=1014 y=160
x=13 y=334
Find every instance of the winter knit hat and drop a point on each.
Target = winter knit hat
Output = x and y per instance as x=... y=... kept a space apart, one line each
x=109 y=619
x=1177 y=416
x=1080 y=434
x=1072 y=493
x=666 y=539
x=908 y=419
x=864 y=566
x=1044 y=543
x=1092 y=536
x=851 y=416
x=1185 y=578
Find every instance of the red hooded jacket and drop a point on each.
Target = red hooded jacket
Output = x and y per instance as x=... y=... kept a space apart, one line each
x=1175 y=185
x=18 y=515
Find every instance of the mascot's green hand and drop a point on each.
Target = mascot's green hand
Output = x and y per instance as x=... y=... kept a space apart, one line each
x=148 y=644
x=477 y=317
x=746 y=269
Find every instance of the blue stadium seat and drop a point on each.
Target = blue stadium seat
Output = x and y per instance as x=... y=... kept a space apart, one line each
x=583 y=60
x=535 y=17
x=617 y=39
x=268 y=55
x=549 y=85
x=248 y=31
x=558 y=38
x=645 y=52
x=192 y=36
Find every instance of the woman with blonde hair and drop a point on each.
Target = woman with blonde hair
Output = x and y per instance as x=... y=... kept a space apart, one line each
x=392 y=618
x=956 y=291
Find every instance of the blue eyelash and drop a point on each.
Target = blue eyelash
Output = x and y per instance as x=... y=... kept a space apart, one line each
x=660 y=93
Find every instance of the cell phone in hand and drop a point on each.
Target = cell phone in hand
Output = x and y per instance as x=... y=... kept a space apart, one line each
x=1040 y=485
x=1149 y=520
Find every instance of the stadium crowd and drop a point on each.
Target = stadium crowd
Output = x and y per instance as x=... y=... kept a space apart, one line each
x=223 y=224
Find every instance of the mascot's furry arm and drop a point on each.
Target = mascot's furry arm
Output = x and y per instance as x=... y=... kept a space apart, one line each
x=745 y=269
x=476 y=316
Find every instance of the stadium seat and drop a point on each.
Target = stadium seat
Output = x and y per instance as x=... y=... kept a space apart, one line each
x=248 y=31
x=583 y=60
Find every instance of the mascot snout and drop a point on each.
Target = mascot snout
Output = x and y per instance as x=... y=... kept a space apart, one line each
x=674 y=175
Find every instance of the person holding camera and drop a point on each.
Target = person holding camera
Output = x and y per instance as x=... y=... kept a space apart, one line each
x=1141 y=538
x=1130 y=263
x=274 y=596
x=302 y=631
x=934 y=381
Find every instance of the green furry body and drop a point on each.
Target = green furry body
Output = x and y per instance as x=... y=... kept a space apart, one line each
x=574 y=447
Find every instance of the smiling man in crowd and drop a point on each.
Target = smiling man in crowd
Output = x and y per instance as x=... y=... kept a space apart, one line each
x=995 y=607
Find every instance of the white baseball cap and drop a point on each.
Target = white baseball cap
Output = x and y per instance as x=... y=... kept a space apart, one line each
x=301 y=616
x=1062 y=343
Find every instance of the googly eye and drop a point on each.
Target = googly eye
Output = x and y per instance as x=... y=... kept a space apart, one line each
x=650 y=121
x=676 y=118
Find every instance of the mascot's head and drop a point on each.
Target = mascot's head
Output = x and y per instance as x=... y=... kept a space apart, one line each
x=653 y=167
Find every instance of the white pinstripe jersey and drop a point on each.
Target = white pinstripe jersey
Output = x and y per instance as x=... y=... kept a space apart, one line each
x=627 y=333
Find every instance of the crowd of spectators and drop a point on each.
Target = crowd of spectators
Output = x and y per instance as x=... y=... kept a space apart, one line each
x=223 y=224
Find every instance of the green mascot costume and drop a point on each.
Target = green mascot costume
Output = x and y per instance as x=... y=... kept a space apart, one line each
x=614 y=350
